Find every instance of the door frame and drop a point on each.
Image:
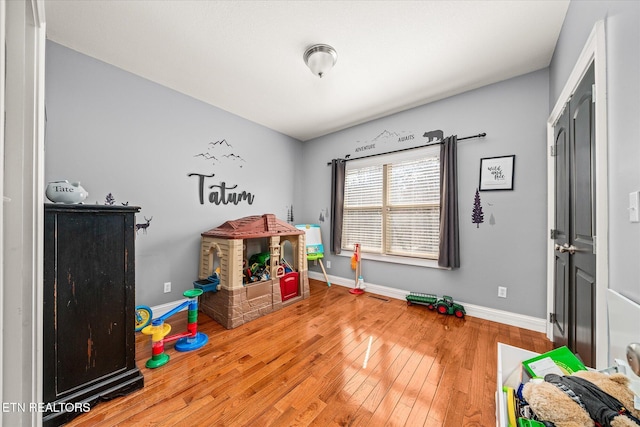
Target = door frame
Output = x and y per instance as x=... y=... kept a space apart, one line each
x=593 y=51
x=23 y=40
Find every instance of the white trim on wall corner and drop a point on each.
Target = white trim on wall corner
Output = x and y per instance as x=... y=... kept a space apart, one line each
x=22 y=149
x=5 y=199
x=500 y=316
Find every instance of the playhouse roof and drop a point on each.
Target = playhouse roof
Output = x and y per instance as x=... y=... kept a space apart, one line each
x=251 y=227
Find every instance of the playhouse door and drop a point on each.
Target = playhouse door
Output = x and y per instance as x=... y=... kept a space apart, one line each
x=289 y=285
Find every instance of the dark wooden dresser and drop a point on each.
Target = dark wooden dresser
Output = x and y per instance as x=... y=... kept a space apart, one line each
x=89 y=304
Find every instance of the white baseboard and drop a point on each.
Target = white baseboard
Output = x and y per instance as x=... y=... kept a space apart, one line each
x=162 y=309
x=500 y=316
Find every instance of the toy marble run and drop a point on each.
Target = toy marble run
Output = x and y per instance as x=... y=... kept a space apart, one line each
x=159 y=331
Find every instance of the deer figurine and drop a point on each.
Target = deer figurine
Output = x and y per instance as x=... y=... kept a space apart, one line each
x=143 y=227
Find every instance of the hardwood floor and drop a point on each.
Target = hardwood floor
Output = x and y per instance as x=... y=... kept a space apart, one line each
x=334 y=359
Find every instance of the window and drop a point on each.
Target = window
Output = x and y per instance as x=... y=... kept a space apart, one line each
x=392 y=204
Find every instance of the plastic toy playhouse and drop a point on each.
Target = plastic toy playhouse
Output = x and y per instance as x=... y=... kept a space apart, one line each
x=248 y=256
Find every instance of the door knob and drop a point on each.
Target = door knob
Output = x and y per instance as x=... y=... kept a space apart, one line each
x=566 y=248
x=572 y=249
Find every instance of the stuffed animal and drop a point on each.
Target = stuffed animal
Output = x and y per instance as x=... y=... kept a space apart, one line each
x=582 y=398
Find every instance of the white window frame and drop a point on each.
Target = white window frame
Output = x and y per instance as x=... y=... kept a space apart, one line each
x=386 y=159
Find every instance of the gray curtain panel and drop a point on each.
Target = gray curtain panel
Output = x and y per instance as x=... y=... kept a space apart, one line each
x=337 y=204
x=449 y=250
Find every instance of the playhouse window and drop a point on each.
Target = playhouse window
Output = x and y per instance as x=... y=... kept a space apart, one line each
x=392 y=204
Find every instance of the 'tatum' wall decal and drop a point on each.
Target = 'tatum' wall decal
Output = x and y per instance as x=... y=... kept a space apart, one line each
x=219 y=153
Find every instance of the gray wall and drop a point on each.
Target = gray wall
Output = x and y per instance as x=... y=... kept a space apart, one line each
x=121 y=134
x=622 y=28
x=510 y=253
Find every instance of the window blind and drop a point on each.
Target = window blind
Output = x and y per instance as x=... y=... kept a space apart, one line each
x=392 y=204
x=362 y=218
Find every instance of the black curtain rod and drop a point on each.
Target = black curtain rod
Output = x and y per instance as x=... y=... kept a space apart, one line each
x=480 y=135
x=346 y=159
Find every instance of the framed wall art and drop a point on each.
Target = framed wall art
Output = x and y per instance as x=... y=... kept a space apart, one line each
x=496 y=173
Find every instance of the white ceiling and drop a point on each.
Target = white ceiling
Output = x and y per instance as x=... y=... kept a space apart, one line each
x=246 y=56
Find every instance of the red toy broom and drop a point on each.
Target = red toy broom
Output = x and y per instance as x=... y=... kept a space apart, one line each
x=357 y=266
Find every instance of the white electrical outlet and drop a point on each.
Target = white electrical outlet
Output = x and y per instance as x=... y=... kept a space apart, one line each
x=167 y=287
x=502 y=292
x=328 y=264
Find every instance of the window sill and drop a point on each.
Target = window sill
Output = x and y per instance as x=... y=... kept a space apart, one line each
x=429 y=263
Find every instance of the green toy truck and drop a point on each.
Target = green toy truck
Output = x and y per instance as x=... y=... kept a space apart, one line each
x=444 y=305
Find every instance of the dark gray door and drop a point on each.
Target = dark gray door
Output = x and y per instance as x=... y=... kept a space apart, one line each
x=562 y=231
x=575 y=266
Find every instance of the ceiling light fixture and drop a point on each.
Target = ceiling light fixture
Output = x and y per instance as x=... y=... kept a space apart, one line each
x=320 y=58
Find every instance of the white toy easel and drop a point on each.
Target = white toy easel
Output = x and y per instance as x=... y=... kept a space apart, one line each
x=315 y=249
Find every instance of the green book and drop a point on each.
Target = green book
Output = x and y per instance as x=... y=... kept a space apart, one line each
x=523 y=422
x=559 y=361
